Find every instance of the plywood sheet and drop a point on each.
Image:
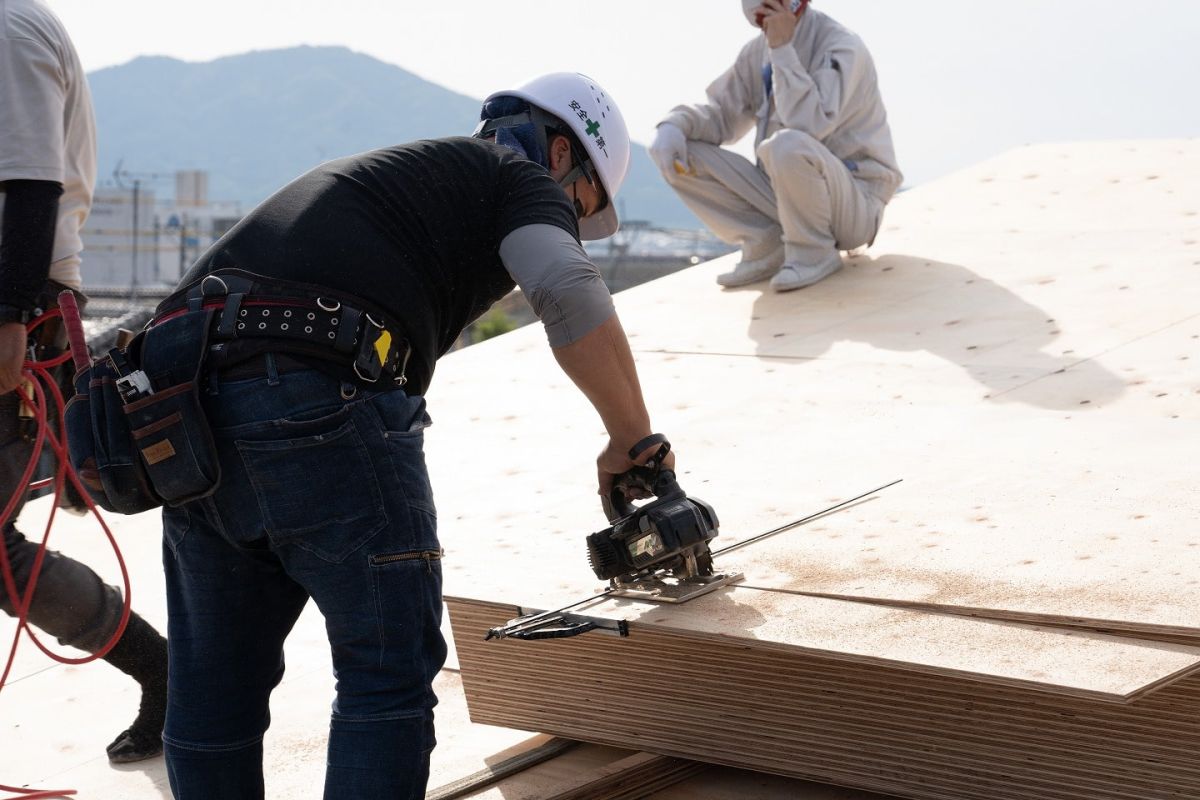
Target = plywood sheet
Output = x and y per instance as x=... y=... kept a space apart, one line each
x=900 y=304
x=1007 y=240
x=722 y=783
x=1051 y=511
x=1017 y=345
x=715 y=783
x=1079 y=664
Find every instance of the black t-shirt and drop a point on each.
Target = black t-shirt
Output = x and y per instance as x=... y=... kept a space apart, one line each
x=415 y=228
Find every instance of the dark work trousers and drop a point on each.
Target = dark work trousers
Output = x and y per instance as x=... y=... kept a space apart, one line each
x=323 y=495
x=70 y=601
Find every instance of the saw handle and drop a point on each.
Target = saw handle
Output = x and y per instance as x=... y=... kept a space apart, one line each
x=644 y=477
x=650 y=478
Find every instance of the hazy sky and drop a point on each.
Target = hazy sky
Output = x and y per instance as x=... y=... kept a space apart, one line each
x=962 y=79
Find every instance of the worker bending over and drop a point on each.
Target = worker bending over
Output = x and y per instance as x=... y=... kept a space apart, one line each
x=314 y=326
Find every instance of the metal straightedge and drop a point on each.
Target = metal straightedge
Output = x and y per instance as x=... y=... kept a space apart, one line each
x=532 y=624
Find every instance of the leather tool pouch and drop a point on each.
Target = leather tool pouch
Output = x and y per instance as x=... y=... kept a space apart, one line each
x=149 y=445
x=100 y=447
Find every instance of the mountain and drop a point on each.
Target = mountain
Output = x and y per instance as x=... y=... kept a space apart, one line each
x=257 y=120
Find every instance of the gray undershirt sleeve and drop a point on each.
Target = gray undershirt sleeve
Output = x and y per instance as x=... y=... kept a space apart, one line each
x=559 y=281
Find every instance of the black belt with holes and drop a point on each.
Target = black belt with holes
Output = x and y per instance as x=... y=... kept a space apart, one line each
x=256 y=315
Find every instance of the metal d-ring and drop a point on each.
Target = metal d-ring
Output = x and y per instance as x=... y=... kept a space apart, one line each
x=218 y=279
x=371 y=320
x=366 y=378
x=321 y=303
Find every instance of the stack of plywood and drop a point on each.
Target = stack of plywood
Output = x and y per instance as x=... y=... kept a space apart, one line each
x=1019 y=346
x=958 y=709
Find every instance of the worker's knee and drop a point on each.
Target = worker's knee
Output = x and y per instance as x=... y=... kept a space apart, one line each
x=391 y=754
x=221 y=771
x=791 y=150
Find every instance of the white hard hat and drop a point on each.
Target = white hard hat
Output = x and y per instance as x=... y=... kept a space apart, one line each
x=748 y=7
x=597 y=123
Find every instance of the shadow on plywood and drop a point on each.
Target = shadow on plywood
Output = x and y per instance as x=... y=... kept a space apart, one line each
x=998 y=338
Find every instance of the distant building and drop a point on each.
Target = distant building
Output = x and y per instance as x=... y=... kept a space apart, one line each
x=132 y=239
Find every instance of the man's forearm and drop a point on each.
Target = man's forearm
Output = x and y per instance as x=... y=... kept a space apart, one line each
x=26 y=243
x=601 y=365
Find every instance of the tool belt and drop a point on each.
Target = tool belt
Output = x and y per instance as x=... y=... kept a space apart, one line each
x=254 y=315
x=137 y=433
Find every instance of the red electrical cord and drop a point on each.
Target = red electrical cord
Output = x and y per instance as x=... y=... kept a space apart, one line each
x=39 y=378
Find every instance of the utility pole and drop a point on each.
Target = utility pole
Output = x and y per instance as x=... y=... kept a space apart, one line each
x=182 y=243
x=136 y=177
x=157 y=248
x=137 y=186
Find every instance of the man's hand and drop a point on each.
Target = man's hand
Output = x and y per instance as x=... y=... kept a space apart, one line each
x=778 y=22
x=13 y=347
x=614 y=460
x=669 y=150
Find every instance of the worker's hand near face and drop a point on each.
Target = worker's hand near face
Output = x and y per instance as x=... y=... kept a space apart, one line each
x=778 y=22
x=614 y=460
x=12 y=355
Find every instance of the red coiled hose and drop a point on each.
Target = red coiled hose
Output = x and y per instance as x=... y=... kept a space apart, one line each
x=44 y=391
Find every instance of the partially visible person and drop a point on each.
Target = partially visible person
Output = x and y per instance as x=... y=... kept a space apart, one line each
x=47 y=173
x=826 y=166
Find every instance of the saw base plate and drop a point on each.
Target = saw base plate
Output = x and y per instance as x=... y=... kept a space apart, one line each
x=667 y=589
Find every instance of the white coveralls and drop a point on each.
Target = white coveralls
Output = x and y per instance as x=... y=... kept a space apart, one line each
x=826 y=162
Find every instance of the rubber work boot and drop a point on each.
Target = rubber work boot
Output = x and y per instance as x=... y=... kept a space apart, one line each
x=797 y=276
x=750 y=271
x=142 y=654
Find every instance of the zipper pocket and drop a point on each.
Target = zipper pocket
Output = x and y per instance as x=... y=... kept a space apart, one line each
x=421 y=555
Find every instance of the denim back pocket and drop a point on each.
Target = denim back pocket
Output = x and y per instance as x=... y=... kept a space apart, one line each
x=403 y=421
x=317 y=492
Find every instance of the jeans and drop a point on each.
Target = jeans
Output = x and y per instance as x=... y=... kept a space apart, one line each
x=321 y=496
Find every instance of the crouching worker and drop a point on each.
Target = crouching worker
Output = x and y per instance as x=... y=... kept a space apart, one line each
x=826 y=166
x=320 y=317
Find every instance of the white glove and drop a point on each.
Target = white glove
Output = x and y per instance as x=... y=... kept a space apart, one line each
x=670 y=149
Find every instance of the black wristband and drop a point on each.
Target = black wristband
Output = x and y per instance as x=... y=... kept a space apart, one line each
x=27 y=230
x=652 y=439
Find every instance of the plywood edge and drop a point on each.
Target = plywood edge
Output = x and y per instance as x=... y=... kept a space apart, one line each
x=1091 y=654
x=1124 y=629
x=1082 y=693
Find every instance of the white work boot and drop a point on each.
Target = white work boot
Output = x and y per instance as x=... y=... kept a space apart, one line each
x=753 y=270
x=796 y=276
